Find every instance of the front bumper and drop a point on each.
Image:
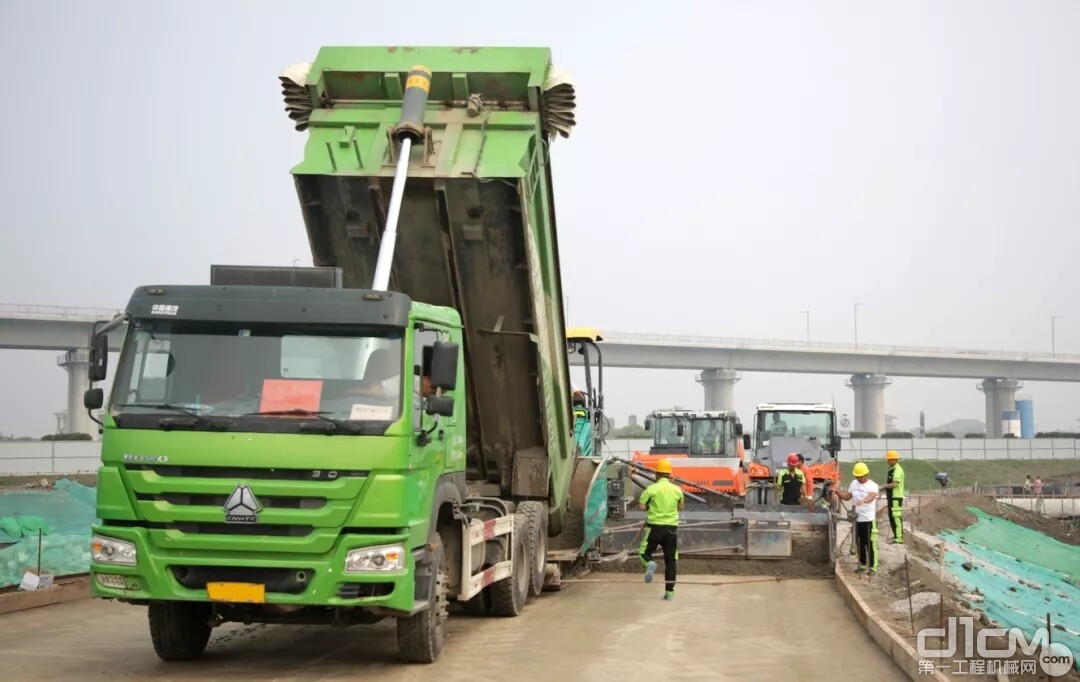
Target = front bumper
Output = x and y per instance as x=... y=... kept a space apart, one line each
x=294 y=579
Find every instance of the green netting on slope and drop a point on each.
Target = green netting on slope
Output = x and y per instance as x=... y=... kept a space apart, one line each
x=1023 y=575
x=64 y=515
x=999 y=535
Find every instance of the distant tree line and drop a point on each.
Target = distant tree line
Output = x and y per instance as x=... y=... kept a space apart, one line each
x=67 y=436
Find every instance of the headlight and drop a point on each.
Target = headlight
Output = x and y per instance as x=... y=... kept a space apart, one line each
x=109 y=551
x=375 y=559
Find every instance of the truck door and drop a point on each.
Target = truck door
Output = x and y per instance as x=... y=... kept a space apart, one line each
x=435 y=448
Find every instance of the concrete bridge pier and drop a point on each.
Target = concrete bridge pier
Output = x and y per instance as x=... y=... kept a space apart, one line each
x=869 y=401
x=719 y=387
x=1000 y=396
x=77 y=364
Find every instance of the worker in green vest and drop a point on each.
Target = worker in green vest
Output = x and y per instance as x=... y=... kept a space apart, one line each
x=894 y=495
x=662 y=501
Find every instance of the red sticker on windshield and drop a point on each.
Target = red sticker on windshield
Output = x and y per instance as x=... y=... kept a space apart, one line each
x=290 y=394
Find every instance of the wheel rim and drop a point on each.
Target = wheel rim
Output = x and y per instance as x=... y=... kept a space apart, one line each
x=541 y=552
x=522 y=566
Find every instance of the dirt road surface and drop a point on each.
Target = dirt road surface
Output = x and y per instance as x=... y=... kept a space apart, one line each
x=606 y=627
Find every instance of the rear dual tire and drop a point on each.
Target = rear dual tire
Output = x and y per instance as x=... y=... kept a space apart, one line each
x=536 y=522
x=508 y=596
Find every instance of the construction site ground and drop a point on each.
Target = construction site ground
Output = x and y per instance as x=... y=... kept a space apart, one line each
x=602 y=628
x=886 y=594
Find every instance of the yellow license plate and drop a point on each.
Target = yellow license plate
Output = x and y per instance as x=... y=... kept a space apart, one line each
x=240 y=593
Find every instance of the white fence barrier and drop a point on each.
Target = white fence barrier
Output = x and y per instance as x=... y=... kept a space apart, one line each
x=944 y=449
x=961 y=449
x=22 y=457
x=69 y=457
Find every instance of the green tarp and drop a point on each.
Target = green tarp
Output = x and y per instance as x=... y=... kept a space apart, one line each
x=63 y=515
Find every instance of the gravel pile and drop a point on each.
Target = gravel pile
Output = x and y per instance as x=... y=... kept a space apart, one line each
x=919 y=601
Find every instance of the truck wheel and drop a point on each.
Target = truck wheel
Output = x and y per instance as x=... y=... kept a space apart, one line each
x=536 y=521
x=179 y=629
x=508 y=596
x=421 y=636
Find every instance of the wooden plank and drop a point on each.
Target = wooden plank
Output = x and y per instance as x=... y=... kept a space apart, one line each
x=68 y=590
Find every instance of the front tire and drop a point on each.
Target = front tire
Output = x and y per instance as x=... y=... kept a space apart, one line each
x=421 y=636
x=508 y=596
x=179 y=630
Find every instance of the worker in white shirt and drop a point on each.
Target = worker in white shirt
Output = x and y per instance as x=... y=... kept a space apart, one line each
x=863 y=493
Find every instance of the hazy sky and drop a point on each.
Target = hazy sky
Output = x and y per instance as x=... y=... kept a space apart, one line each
x=734 y=164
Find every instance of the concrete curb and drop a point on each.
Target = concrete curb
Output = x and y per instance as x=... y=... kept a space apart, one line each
x=76 y=587
x=902 y=654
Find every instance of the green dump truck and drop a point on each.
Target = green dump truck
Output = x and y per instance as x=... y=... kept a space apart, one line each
x=388 y=432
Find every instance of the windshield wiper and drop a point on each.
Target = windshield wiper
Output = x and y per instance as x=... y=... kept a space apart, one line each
x=299 y=412
x=169 y=422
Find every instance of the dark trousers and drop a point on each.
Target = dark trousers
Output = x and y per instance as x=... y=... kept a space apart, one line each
x=866 y=540
x=665 y=538
x=896 y=517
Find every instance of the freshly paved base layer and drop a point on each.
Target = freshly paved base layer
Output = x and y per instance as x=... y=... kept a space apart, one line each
x=602 y=627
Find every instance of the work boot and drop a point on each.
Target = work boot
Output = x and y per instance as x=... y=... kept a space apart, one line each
x=861 y=569
x=873 y=571
x=668 y=596
x=896 y=541
x=650 y=569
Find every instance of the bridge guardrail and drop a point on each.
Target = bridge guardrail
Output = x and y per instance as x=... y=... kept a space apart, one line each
x=57 y=310
x=687 y=339
x=749 y=344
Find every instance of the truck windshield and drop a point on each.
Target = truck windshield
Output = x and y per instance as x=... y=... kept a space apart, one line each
x=795 y=423
x=667 y=432
x=707 y=437
x=229 y=370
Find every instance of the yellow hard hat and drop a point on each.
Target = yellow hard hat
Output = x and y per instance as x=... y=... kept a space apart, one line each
x=663 y=466
x=892 y=454
x=860 y=469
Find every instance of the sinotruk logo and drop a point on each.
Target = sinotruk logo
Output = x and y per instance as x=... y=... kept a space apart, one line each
x=242 y=506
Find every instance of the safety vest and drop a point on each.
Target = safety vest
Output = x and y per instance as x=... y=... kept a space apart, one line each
x=662 y=500
x=896 y=475
x=790 y=485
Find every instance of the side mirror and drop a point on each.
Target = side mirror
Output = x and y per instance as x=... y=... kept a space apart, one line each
x=444 y=365
x=648 y=425
x=680 y=430
x=746 y=441
x=442 y=405
x=738 y=428
x=93 y=399
x=99 y=357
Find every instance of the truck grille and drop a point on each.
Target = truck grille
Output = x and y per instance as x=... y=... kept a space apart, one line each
x=282 y=510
